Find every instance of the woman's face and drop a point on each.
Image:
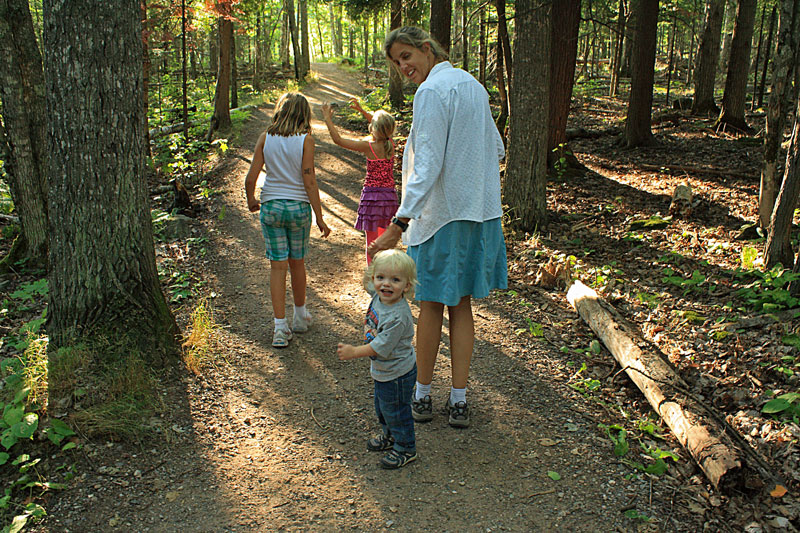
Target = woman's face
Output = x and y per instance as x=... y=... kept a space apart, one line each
x=415 y=63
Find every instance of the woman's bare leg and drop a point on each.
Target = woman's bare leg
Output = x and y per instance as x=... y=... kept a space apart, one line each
x=462 y=340
x=429 y=333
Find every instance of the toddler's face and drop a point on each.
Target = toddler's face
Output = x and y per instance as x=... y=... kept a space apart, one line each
x=390 y=284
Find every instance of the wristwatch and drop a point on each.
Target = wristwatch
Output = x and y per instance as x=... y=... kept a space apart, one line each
x=400 y=224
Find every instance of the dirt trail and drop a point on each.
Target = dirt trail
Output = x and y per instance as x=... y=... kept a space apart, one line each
x=275 y=440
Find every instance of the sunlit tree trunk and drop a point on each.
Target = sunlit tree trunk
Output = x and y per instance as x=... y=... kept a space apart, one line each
x=707 y=60
x=298 y=58
x=637 y=126
x=780 y=102
x=779 y=247
x=23 y=141
x=221 y=120
x=526 y=172
x=102 y=279
x=305 y=55
x=735 y=94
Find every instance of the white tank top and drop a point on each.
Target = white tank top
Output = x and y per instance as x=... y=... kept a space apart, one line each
x=283 y=157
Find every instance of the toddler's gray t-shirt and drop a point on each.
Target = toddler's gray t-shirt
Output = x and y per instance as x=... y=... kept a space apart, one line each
x=389 y=330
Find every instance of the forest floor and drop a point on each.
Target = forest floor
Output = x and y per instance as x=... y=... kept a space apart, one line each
x=274 y=440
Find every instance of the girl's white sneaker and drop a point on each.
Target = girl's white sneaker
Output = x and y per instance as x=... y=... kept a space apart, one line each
x=281 y=338
x=300 y=324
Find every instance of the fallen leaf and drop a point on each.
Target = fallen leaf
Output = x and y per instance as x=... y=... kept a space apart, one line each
x=172 y=496
x=778 y=492
x=555 y=476
x=547 y=442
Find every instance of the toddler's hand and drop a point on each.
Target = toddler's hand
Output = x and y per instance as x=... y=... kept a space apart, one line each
x=345 y=351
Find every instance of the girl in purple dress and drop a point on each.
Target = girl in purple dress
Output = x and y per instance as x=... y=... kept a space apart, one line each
x=378 y=201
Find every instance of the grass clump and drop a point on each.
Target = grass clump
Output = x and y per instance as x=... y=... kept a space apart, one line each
x=200 y=345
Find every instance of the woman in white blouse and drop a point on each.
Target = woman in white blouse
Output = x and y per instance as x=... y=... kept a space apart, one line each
x=450 y=212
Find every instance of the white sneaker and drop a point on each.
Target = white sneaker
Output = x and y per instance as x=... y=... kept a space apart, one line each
x=281 y=338
x=300 y=324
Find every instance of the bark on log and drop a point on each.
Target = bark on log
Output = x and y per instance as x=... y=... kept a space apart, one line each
x=703 y=437
x=681 y=204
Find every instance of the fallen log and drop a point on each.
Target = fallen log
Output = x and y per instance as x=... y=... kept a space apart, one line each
x=708 y=439
x=685 y=169
x=681 y=204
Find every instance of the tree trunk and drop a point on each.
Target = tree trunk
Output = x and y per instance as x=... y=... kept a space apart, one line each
x=103 y=281
x=283 y=51
x=502 y=117
x=395 y=79
x=670 y=62
x=298 y=58
x=779 y=246
x=637 y=127
x=234 y=103
x=566 y=19
x=767 y=55
x=628 y=44
x=780 y=102
x=620 y=37
x=184 y=87
x=707 y=60
x=525 y=179
x=441 y=11
x=257 y=62
x=145 y=72
x=319 y=33
x=221 y=120
x=482 y=48
x=502 y=34
x=22 y=93
x=464 y=37
x=758 y=54
x=302 y=6
x=734 y=98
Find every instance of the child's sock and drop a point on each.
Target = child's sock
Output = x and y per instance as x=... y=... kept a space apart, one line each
x=300 y=310
x=281 y=323
x=458 y=395
x=422 y=391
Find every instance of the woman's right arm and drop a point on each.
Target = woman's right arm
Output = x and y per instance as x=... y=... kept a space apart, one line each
x=253 y=204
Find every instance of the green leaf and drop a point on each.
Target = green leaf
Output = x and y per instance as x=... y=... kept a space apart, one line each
x=555 y=476
x=3 y=458
x=68 y=446
x=26 y=427
x=19 y=522
x=13 y=415
x=658 y=468
x=776 y=405
x=61 y=428
x=594 y=347
x=791 y=340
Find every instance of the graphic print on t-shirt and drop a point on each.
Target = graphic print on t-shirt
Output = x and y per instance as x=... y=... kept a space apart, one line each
x=370 y=326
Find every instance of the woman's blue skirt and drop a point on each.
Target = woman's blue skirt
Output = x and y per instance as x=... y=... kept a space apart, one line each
x=463 y=258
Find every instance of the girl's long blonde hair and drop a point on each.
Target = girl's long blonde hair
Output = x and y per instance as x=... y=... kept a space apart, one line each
x=292 y=116
x=396 y=260
x=382 y=129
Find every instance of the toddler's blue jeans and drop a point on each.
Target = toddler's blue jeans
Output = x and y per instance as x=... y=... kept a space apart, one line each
x=393 y=407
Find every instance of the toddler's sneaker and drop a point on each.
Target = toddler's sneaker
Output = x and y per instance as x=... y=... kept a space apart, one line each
x=395 y=459
x=281 y=338
x=459 y=414
x=380 y=443
x=300 y=324
x=422 y=409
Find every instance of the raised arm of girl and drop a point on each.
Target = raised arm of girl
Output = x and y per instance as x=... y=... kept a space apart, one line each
x=350 y=144
x=310 y=184
x=355 y=104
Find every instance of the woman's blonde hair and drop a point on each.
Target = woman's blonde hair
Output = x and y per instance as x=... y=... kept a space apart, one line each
x=412 y=36
x=292 y=116
x=393 y=259
x=382 y=129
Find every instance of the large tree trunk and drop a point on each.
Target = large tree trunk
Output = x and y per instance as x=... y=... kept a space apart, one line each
x=637 y=127
x=779 y=245
x=145 y=72
x=395 y=79
x=22 y=95
x=441 y=11
x=566 y=19
x=103 y=280
x=735 y=95
x=221 y=120
x=526 y=172
x=707 y=59
x=628 y=44
x=780 y=101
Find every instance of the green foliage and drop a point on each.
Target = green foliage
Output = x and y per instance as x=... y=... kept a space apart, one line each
x=785 y=406
x=770 y=290
x=695 y=283
x=6 y=203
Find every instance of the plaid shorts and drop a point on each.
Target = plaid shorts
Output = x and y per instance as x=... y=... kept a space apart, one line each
x=286 y=225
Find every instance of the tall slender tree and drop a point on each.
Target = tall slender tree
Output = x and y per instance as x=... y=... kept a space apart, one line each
x=640 y=104
x=566 y=16
x=305 y=54
x=395 y=80
x=780 y=102
x=221 y=119
x=441 y=12
x=735 y=95
x=102 y=278
x=526 y=172
x=707 y=60
x=24 y=142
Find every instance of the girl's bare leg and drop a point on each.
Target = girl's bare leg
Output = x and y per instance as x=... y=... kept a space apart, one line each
x=371 y=236
x=277 y=287
x=297 y=268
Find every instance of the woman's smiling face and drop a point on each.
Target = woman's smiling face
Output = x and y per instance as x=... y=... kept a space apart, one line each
x=415 y=63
